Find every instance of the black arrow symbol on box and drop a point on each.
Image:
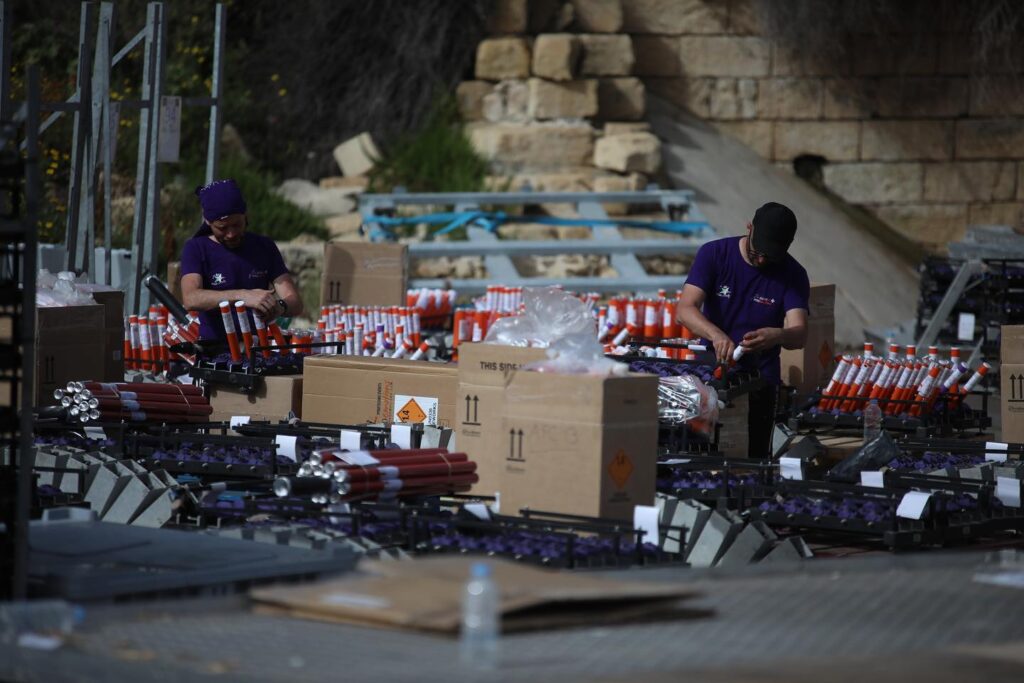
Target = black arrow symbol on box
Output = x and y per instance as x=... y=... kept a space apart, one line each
x=467 y=408
x=1020 y=386
x=1013 y=387
x=476 y=400
x=520 y=444
x=512 y=444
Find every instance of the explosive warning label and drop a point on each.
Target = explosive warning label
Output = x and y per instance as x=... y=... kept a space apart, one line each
x=620 y=468
x=415 y=409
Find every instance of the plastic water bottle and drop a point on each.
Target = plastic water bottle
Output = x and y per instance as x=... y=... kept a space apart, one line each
x=872 y=421
x=37 y=618
x=480 y=619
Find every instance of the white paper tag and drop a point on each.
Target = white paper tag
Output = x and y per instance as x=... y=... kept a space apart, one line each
x=496 y=505
x=913 y=504
x=995 y=457
x=645 y=518
x=95 y=433
x=356 y=600
x=351 y=440
x=239 y=420
x=996 y=446
x=872 y=478
x=415 y=409
x=1008 y=491
x=401 y=435
x=965 y=327
x=286 y=446
x=478 y=510
x=791 y=468
x=361 y=458
x=675 y=461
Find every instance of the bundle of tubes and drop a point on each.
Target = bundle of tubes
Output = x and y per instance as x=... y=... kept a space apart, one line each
x=146 y=343
x=378 y=331
x=435 y=306
x=334 y=474
x=906 y=385
x=135 y=402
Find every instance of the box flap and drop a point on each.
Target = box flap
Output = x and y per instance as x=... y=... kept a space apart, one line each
x=1011 y=344
x=582 y=398
x=362 y=273
x=85 y=318
x=491 y=364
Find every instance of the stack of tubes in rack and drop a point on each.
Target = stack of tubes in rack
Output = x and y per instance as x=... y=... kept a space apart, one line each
x=902 y=386
x=134 y=402
x=334 y=474
x=377 y=331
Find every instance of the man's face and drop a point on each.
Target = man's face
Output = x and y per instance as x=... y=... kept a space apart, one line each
x=229 y=230
x=756 y=258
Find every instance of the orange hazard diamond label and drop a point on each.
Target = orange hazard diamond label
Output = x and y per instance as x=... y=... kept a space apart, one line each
x=411 y=412
x=620 y=468
x=825 y=354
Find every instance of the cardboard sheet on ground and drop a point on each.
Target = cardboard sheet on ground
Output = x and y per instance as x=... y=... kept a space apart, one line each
x=425 y=594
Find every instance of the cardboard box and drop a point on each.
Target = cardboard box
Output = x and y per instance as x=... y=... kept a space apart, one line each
x=349 y=390
x=484 y=372
x=734 y=430
x=811 y=367
x=68 y=346
x=1011 y=382
x=579 y=444
x=364 y=274
x=112 y=300
x=272 y=401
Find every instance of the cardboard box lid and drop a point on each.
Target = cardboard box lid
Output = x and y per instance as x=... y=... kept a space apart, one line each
x=1011 y=344
x=61 y=324
x=582 y=398
x=364 y=273
x=112 y=300
x=402 y=365
x=490 y=364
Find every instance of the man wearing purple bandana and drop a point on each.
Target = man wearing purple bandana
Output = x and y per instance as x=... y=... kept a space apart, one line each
x=749 y=291
x=223 y=261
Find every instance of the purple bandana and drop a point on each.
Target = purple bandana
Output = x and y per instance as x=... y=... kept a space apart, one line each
x=220 y=198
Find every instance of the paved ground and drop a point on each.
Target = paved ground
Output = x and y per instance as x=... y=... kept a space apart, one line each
x=875 y=288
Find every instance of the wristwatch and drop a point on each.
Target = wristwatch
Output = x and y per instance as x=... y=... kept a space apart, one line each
x=284 y=306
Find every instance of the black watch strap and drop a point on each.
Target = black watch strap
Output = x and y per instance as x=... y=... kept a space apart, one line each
x=284 y=306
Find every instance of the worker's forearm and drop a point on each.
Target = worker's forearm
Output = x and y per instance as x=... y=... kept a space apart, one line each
x=294 y=301
x=794 y=337
x=207 y=299
x=692 y=318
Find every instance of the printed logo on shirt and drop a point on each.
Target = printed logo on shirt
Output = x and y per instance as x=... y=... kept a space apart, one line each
x=724 y=291
x=763 y=300
x=218 y=279
x=257 y=274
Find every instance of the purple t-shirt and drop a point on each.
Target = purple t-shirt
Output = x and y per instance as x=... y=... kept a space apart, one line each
x=253 y=265
x=741 y=298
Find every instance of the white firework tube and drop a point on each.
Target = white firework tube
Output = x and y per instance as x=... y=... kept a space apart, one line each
x=925 y=389
x=505 y=300
x=975 y=378
x=884 y=380
x=414 y=324
x=243 y=318
x=650 y=315
x=837 y=375
x=630 y=312
x=332 y=318
x=489 y=298
x=667 y=315
x=419 y=353
x=738 y=352
x=944 y=373
x=379 y=352
x=602 y=318
x=399 y=336
x=144 y=339
x=661 y=353
x=605 y=331
x=862 y=375
x=135 y=337
x=926 y=377
x=903 y=381
x=894 y=351
x=613 y=315
x=878 y=367
x=161 y=330
x=423 y=299
x=953 y=377
x=623 y=335
x=405 y=348
x=919 y=374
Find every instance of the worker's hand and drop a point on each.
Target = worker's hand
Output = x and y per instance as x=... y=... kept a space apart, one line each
x=723 y=347
x=262 y=302
x=762 y=339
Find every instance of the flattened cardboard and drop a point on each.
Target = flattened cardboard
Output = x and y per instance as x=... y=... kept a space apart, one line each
x=484 y=370
x=364 y=274
x=579 y=444
x=811 y=367
x=349 y=390
x=276 y=397
x=112 y=301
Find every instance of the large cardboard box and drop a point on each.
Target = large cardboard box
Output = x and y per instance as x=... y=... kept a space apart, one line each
x=112 y=300
x=734 y=429
x=273 y=400
x=484 y=372
x=1011 y=379
x=811 y=367
x=68 y=346
x=361 y=273
x=348 y=390
x=579 y=444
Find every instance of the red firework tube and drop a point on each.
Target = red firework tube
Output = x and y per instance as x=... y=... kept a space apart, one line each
x=145 y=344
x=412 y=484
x=112 y=403
x=145 y=388
x=630 y=330
x=480 y=320
x=261 y=334
x=278 y=336
x=243 y=326
x=404 y=471
x=869 y=349
x=878 y=367
x=901 y=388
x=382 y=454
x=127 y=350
x=969 y=385
x=229 y=330
x=445 y=461
x=669 y=329
x=133 y=326
x=924 y=392
x=883 y=382
x=420 y=352
x=161 y=345
x=894 y=351
x=840 y=389
x=141 y=416
x=859 y=380
x=651 y=320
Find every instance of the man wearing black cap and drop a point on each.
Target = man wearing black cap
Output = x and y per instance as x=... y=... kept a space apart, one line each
x=749 y=291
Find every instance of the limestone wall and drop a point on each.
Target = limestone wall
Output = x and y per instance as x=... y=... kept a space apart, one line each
x=922 y=138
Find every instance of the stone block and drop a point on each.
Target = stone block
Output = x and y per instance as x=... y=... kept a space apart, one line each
x=957 y=56
x=501 y=58
x=634 y=182
x=746 y=18
x=347 y=224
x=903 y=140
x=734 y=98
x=507 y=16
x=607 y=55
x=317 y=200
x=787 y=61
x=933 y=225
x=656 y=56
x=922 y=97
x=621 y=98
x=674 y=17
x=724 y=56
x=469 y=96
x=877 y=55
x=849 y=98
x=553 y=100
x=620 y=127
x=970 y=181
x=790 y=98
x=567 y=180
x=692 y=94
x=834 y=140
x=990 y=138
x=508 y=101
x=536 y=145
x=996 y=213
x=997 y=96
x=757 y=135
x=356 y=156
x=556 y=56
x=875 y=183
x=598 y=16
x=355 y=184
x=632 y=152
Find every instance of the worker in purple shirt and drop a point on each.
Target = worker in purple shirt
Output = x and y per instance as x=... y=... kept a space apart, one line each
x=749 y=291
x=223 y=261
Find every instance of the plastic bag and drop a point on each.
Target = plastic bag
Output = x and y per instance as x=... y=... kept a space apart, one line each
x=686 y=399
x=874 y=455
x=60 y=290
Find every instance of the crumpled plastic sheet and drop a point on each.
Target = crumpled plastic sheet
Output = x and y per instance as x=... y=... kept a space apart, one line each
x=686 y=399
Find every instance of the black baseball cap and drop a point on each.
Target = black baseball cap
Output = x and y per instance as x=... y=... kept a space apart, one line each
x=774 y=230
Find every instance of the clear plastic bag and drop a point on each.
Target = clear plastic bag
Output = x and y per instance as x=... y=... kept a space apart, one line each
x=686 y=399
x=60 y=290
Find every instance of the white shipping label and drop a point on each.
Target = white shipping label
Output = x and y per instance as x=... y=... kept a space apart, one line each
x=286 y=446
x=872 y=478
x=351 y=440
x=239 y=420
x=913 y=504
x=415 y=409
x=965 y=327
x=169 y=144
x=645 y=518
x=401 y=435
x=1008 y=491
x=791 y=468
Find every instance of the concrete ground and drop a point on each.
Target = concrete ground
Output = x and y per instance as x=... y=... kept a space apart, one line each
x=875 y=288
